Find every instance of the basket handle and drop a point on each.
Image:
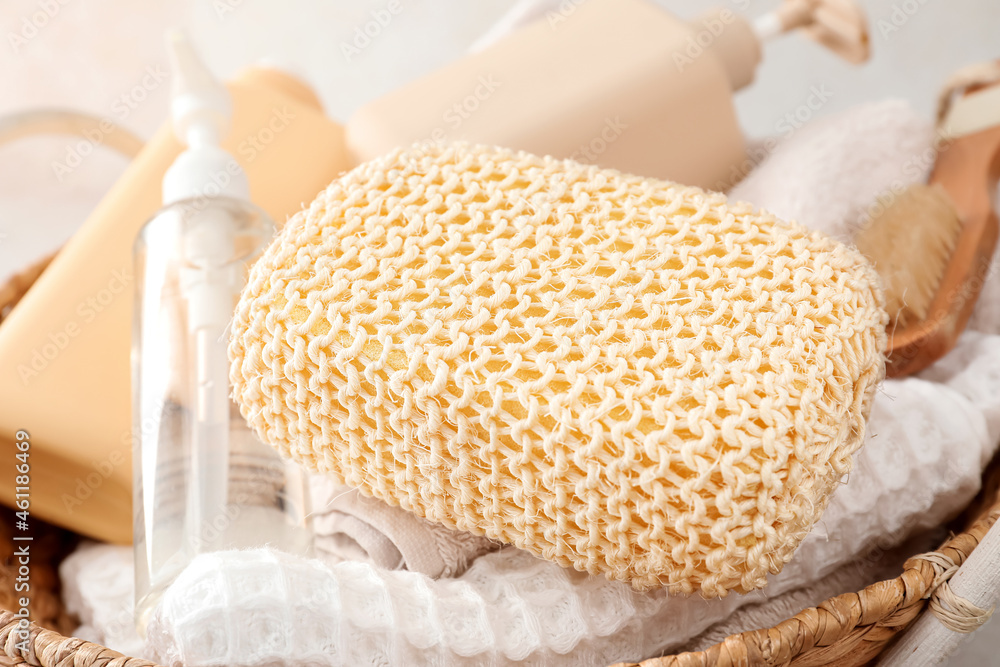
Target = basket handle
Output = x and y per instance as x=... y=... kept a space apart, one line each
x=40 y=122
x=67 y=122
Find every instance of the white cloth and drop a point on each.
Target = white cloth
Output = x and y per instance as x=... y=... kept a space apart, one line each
x=927 y=442
x=830 y=174
x=98 y=586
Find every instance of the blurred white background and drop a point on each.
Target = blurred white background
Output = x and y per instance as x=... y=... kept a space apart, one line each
x=87 y=54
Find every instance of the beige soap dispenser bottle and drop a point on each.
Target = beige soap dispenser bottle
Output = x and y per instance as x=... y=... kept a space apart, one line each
x=618 y=83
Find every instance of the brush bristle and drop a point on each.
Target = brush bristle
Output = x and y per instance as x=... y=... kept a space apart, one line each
x=910 y=244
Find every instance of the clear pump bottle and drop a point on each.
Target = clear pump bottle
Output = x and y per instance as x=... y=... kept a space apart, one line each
x=203 y=481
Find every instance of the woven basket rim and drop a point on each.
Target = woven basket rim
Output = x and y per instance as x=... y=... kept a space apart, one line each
x=836 y=628
x=851 y=628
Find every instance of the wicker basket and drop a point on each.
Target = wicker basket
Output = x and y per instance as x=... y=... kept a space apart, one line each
x=847 y=630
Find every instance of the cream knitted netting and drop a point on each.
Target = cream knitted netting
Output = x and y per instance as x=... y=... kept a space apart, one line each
x=625 y=376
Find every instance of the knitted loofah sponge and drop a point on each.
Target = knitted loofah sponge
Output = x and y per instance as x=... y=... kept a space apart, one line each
x=625 y=376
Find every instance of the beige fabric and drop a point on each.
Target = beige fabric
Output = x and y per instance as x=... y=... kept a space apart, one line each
x=625 y=376
x=350 y=526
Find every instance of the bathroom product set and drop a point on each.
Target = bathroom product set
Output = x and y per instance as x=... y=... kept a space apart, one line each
x=625 y=376
x=291 y=151
x=910 y=476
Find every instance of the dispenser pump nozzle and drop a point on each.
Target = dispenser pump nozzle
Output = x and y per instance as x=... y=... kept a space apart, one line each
x=201 y=106
x=200 y=109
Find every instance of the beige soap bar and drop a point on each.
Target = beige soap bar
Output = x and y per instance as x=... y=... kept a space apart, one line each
x=65 y=349
x=615 y=83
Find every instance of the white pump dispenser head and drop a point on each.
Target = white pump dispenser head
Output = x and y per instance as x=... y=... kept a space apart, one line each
x=201 y=109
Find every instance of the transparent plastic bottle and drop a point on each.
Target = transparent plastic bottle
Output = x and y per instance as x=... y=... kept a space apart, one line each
x=203 y=480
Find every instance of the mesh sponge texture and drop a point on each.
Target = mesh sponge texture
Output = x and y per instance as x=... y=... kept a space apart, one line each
x=624 y=376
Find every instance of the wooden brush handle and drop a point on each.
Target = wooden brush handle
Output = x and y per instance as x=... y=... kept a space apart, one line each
x=968 y=168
